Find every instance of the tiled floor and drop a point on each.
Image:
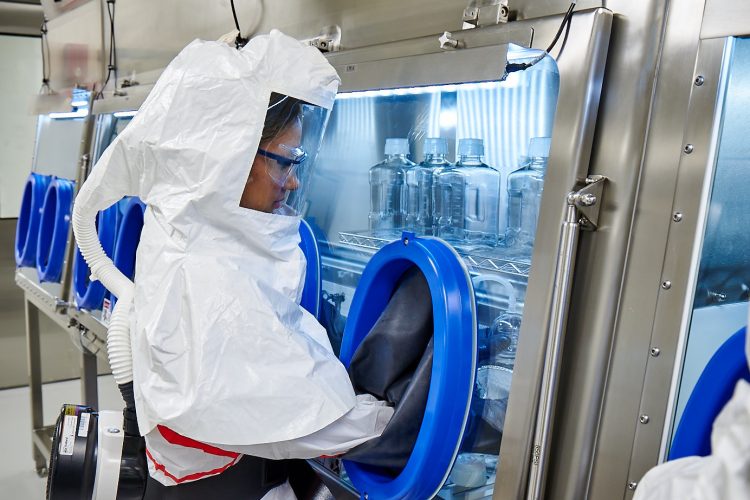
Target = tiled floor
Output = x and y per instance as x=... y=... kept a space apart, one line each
x=18 y=480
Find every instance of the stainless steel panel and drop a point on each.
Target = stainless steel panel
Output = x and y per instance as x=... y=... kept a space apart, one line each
x=583 y=467
x=724 y=18
x=581 y=69
x=528 y=9
x=630 y=309
x=20 y=19
x=674 y=302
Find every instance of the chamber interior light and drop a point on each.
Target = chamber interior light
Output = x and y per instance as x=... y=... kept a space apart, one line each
x=71 y=114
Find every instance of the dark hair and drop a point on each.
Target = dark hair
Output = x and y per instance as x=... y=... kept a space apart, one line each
x=283 y=110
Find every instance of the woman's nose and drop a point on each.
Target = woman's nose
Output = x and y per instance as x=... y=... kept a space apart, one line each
x=292 y=183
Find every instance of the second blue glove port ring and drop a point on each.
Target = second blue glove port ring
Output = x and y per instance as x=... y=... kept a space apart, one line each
x=128 y=237
x=53 y=230
x=90 y=295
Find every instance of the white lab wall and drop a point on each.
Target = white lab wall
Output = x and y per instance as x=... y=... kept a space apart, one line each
x=21 y=70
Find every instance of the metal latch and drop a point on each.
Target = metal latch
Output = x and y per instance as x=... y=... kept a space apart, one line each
x=447 y=42
x=485 y=13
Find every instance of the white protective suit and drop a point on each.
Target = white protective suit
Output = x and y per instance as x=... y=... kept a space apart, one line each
x=222 y=352
x=722 y=475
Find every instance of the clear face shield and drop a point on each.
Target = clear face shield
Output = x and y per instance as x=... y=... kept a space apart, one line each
x=282 y=167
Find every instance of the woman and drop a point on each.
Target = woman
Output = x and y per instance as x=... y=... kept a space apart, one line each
x=224 y=359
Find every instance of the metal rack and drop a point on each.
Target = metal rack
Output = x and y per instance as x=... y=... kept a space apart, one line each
x=484 y=258
x=89 y=334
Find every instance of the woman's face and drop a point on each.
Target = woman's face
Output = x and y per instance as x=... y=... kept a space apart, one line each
x=262 y=192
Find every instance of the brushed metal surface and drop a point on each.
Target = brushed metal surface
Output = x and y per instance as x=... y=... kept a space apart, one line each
x=20 y=18
x=581 y=466
x=581 y=69
x=724 y=18
x=681 y=256
x=637 y=288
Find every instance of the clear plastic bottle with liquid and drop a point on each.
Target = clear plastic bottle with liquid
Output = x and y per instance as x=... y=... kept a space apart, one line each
x=525 y=187
x=419 y=186
x=468 y=197
x=387 y=187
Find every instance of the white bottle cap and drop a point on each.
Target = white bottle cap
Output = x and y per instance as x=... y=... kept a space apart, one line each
x=394 y=146
x=435 y=146
x=470 y=147
x=539 y=147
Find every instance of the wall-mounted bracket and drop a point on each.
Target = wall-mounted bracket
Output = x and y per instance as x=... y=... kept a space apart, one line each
x=329 y=39
x=587 y=200
x=480 y=13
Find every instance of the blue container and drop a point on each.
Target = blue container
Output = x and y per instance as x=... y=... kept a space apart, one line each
x=27 y=229
x=128 y=237
x=53 y=230
x=90 y=295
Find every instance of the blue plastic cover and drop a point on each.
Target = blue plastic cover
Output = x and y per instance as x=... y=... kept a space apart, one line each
x=90 y=295
x=711 y=393
x=311 y=293
x=27 y=228
x=128 y=237
x=453 y=368
x=53 y=230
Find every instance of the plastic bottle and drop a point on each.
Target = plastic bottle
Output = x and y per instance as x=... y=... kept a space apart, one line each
x=525 y=187
x=387 y=189
x=469 y=197
x=419 y=186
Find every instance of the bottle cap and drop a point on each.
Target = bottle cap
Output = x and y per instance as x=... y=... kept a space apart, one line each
x=470 y=147
x=394 y=146
x=435 y=146
x=539 y=147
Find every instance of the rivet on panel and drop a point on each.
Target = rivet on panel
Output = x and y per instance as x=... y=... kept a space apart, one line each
x=666 y=285
x=688 y=148
x=644 y=419
x=677 y=216
x=632 y=485
x=699 y=80
x=655 y=351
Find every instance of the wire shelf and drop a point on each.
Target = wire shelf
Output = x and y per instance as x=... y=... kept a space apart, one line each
x=486 y=259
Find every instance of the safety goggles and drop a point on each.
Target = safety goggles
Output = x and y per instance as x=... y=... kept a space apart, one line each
x=283 y=165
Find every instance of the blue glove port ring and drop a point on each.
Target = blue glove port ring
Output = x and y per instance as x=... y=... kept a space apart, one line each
x=53 y=230
x=713 y=390
x=128 y=237
x=311 y=293
x=27 y=228
x=453 y=368
x=90 y=295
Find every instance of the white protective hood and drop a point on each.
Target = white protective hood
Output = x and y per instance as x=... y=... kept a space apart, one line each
x=725 y=473
x=222 y=351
